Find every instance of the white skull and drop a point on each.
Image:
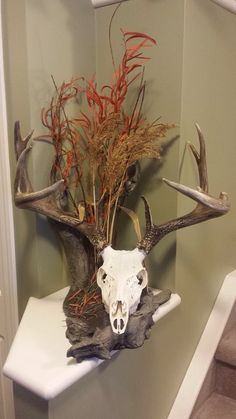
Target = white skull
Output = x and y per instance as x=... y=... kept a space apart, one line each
x=121 y=278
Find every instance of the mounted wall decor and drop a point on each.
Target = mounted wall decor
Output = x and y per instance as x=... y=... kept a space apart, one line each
x=109 y=305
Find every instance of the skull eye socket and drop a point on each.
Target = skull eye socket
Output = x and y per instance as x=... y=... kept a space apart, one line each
x=140 y=278
x=102 y=278
x=104 y=275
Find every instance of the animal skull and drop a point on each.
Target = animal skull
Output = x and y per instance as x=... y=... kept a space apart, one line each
x=122 y=277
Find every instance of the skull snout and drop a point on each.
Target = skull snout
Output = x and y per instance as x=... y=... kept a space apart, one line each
x=119 y=316
x=121 y=278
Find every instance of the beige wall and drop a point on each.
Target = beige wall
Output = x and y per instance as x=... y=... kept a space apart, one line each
x=42 y=38
x=163 y=75
x=192 y=77
x=206 y=253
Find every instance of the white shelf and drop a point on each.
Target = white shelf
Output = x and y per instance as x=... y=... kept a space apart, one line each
x=37 y=359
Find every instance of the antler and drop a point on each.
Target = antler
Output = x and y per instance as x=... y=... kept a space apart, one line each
x=44 y=201
x=207 y=206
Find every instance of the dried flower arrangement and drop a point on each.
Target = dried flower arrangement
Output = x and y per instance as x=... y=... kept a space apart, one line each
x=108 y=139
x=109 y=305
x=96 y=152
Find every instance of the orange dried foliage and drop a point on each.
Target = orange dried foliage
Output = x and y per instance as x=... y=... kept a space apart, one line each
x=65 y=136
x=107 y=137
x=103 y=105
x=102 y=143
x=86 y=302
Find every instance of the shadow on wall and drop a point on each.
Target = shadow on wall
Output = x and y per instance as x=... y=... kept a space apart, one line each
x=149 y=179
x=150 y=182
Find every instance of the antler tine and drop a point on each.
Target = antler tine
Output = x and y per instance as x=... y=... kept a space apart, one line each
x=148 y=214
x=22 y=183
x=23 y=189
x=220 y=204
x=44 y=201
x=201 y=160
x=207 y=206
x=20 y=143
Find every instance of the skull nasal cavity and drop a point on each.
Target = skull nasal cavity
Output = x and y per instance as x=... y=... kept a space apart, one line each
x=119 y=326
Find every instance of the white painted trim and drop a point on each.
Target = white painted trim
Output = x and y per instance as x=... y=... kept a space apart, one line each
x=8 y=295
x=229 y=5
x=101 y=3
x=206 y=348
x=7 y=239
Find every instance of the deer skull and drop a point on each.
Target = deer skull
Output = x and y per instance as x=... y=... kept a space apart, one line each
x=122 y=277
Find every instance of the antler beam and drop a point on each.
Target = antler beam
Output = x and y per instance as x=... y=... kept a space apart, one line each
x=44 y=201
x=207 y=206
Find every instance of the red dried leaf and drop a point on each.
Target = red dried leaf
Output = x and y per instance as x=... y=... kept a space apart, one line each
x=133 y=35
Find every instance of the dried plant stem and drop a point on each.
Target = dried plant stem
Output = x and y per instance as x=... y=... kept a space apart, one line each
x=73 y=201
x=108 y=216
x=140 y=95
x=110 y=26
x=141 y=90
x=94 y=198
x=116 y=204
x=84 y=197
x=73 y=146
